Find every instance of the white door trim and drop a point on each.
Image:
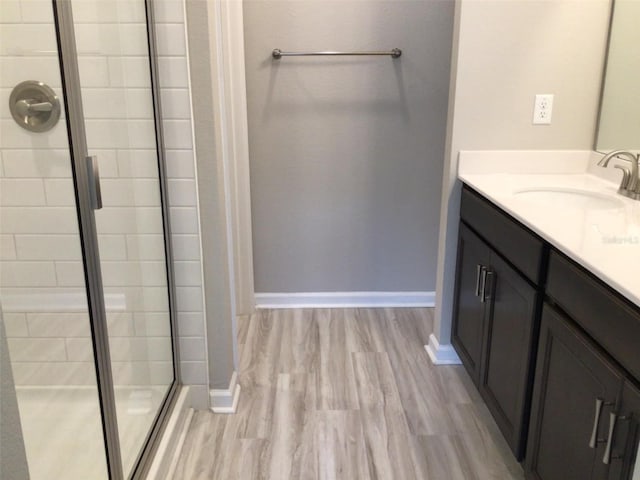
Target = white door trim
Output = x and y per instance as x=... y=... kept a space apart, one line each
x=229 y=32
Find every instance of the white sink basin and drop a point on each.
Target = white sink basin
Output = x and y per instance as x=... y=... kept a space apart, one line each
x=569 y=198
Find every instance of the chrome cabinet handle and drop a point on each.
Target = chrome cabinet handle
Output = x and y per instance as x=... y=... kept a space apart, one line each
x=606 y=459
x=483 y=283
x=594 y=433
x=489 y=278
x=94 y=182
x=479 y=270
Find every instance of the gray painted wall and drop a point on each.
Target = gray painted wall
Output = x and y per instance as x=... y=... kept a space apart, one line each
x=13 y=460
x=507 y=52
x=347 y=153
x=221 y=338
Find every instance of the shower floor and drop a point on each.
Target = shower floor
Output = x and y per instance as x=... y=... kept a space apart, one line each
x=62 y=428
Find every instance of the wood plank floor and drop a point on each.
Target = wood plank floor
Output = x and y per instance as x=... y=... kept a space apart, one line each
x=346 y=394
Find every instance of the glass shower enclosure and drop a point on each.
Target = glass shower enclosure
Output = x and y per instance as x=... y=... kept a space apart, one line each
x=86 y=290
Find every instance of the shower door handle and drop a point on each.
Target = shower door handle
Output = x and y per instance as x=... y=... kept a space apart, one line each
x=94 y=182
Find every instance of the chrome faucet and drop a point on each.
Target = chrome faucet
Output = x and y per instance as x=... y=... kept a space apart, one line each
x=630 y=185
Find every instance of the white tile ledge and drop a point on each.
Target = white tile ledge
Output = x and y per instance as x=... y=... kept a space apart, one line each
x=170 y=444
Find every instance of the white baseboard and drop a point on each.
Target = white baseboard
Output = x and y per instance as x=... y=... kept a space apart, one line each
x=345 y=299
x=225 y=400
x=172 y=438
x=441 y=354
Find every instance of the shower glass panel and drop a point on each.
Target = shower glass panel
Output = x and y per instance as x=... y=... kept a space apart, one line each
x=115 y=82
x=42 y=288
x=85 y=294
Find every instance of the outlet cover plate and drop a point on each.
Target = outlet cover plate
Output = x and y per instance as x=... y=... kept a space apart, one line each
x=543 y=109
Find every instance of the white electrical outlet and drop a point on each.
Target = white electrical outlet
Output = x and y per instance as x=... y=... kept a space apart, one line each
x=542 y=109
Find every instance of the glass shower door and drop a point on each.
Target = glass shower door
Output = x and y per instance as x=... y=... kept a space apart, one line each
x=121 y=131
x=84 y=260
x=43 y=295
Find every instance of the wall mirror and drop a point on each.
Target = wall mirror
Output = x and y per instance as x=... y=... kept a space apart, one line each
x=619 y=123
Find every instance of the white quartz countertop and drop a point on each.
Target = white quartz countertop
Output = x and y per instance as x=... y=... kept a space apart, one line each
x=602 y=237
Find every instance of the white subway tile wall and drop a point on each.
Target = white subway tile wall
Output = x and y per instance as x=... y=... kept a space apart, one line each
x=40 y=250
x=181 y=174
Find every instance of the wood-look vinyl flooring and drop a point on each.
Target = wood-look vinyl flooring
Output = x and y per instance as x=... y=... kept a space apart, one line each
x=346 y=394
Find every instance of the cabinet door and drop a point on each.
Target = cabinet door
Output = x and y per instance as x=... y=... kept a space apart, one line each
x=571 y=378
x=469 y=311
x=625 y=461
x=505 y=377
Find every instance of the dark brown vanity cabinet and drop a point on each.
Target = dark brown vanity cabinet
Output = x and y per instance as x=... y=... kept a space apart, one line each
x=581 y=415
x=585 y=419
x=495 y=314
x=508 y=350
x=586 y=406
x=470 y=310
x=576 y=390
x=626 y=441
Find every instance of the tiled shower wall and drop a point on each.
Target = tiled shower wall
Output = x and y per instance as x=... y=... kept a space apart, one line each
x=181 y=173
x=40 y=252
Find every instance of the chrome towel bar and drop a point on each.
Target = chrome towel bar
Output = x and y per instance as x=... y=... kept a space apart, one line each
x=278 y=54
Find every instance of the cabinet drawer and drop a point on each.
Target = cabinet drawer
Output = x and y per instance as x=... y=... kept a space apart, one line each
x=608 y=318
x=517 y=244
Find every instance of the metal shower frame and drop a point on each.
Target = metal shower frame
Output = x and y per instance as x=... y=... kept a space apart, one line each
x=68 y=57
